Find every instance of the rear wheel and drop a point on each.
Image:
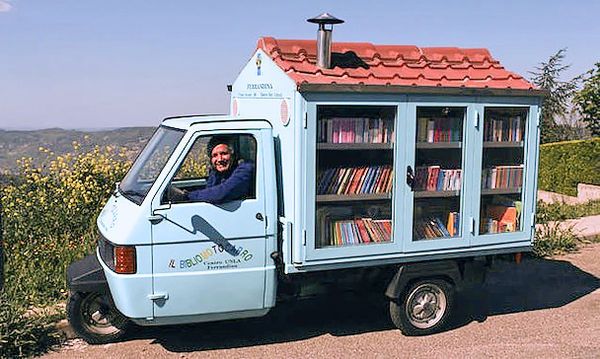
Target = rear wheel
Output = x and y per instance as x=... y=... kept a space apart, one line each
x=424 y=308
x=94 y=318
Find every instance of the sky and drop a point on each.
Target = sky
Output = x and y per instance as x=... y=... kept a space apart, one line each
x=114 y=63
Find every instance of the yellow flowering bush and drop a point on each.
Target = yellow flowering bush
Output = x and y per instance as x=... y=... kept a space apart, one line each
x=49 y=214
x=195 y=165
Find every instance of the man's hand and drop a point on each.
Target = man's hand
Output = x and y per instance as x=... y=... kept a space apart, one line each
x=177 y=194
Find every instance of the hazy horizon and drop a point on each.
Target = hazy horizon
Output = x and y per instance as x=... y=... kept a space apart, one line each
x=111 y=63
x=82 y=129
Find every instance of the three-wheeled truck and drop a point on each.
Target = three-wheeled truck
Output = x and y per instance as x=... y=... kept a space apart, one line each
x=391 y=168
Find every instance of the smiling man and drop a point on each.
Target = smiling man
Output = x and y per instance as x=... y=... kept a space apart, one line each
x=228 y=179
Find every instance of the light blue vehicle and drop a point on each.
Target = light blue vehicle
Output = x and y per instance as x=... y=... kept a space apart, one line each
x=360 y=180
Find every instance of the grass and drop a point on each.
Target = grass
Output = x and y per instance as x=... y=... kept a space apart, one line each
x=552 y=238
x=24 y=333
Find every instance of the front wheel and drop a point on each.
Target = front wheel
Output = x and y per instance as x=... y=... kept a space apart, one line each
x=94 y=318
x=424 y=308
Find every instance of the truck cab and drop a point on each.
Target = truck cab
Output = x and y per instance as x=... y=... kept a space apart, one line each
x=173 y=260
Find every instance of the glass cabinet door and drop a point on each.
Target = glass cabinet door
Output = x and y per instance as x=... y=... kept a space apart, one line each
x=437 y=177
x=502 y=170
x=354 y=176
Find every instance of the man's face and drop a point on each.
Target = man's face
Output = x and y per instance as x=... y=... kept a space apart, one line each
x=220 y=158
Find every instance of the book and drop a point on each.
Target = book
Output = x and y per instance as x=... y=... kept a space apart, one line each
x=347 y=181
x=376 y=174
x=367 y=180
x=355 y=130
x=381 y=184
x=355 y=181
x=506 y=217
x=363 y=231
x=450 y=224
x=438 y=222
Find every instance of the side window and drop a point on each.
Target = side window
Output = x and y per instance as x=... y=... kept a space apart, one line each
x=217 y=169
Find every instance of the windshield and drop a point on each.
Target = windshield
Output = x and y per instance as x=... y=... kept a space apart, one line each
x=150 y=162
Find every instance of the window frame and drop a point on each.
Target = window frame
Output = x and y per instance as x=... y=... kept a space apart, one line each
x=194 y=140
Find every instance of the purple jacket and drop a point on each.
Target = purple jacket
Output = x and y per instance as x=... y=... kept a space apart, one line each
x=220 y=188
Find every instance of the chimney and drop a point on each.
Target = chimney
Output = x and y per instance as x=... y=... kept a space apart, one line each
x=324 y=38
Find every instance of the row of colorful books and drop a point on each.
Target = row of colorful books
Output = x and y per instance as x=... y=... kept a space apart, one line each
x=502 y=177
x=499 y=219
x=434 y=227
x=439 y=129
x=434 y=178
x=504 y=130
x=357 y=231
x=355 y=180
x=355 y=130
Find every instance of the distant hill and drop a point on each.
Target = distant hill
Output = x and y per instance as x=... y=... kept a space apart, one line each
x=17 y=144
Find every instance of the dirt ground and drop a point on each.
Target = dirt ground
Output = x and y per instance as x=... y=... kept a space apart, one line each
x=541 y=308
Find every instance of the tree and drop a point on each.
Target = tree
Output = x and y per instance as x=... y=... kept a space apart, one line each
x=556 y=104
x=587 y=100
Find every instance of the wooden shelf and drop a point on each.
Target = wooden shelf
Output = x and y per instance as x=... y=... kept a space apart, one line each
x=354 y=146
x=489 y=191
x=438 y=145
x=353 y=197
x=328 y=246
x=436 y=194
x=502 y=144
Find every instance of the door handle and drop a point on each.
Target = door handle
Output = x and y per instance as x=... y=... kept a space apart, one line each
x=156 y=218
x=410 y=177
x=158 y=296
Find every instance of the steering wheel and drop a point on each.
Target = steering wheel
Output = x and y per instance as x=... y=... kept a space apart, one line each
x=177 y=194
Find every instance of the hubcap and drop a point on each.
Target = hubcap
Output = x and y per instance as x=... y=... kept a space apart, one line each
x=97 y=314
x=426 y=305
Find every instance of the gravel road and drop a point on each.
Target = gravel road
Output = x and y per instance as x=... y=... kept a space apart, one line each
x=541 y=308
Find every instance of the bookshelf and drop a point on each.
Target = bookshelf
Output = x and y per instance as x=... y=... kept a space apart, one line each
x=502 y=144
x=354 y=146
x=438 y=172
x=438 y=145
x=355 y=171
x=496 y=191
x=435 y=194
x=503 y=168
x=354 y=197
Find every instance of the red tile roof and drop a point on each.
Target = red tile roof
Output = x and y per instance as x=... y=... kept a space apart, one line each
x=392 y=65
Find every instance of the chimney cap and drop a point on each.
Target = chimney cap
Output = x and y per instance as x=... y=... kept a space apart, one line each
x=325 y=19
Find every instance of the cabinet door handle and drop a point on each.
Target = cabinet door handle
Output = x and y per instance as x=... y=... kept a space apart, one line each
x=410 y=177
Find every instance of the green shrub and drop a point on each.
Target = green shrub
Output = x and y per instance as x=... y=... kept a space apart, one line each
x=552 y=239
x=23 y=335
x=48 y=220
x=565 y=164
x=49 y=215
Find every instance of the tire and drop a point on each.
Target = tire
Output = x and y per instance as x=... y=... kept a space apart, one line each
x=424 y=308
x=94 y=318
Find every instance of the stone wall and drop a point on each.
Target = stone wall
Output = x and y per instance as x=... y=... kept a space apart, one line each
x=585 y=193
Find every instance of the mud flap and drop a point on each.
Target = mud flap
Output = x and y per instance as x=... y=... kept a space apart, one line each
x=86 y=275
x=406 y=273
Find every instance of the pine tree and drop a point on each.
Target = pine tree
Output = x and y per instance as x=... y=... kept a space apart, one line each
x=557 y=101
x=587 y=100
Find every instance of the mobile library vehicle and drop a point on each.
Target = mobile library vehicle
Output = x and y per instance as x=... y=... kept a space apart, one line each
x=391 y=168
